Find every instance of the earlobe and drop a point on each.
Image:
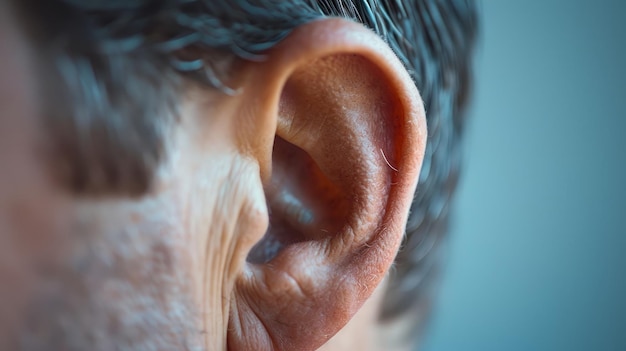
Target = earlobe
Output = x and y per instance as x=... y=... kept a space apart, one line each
x=348 y=137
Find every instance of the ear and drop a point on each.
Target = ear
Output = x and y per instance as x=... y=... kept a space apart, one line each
x=338 y=129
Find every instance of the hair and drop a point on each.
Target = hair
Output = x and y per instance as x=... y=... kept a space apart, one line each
x=112 y=70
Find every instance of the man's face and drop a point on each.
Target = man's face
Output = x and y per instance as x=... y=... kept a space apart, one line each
x=169 y=269
x=74 y=271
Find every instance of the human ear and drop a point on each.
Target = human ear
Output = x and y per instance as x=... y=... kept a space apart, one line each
x=338 y=130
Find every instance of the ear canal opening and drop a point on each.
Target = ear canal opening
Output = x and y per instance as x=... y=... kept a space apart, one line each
x=303 y=203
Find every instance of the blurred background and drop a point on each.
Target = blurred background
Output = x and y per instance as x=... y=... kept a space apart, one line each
x=537 y=256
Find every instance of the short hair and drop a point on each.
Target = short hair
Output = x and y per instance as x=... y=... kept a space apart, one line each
x=112 y=71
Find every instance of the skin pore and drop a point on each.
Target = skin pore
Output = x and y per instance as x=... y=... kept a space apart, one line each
x=170 y=270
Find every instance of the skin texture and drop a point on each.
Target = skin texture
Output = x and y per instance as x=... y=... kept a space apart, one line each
x=322 y=145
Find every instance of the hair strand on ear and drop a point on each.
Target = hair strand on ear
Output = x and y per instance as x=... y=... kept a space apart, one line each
x=387 y=161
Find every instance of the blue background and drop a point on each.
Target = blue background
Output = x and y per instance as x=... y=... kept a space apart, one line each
x=537 y=257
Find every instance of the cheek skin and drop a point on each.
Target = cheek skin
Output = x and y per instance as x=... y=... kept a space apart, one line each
x=176 y=253
x=223 y=210
x=226 y=227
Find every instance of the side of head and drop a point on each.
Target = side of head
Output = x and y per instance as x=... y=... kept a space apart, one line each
x=198 y=174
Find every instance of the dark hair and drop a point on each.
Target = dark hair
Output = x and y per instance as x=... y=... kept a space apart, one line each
x=116 y=66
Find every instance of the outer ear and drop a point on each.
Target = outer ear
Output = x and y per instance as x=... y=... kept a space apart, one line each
x=339 y=131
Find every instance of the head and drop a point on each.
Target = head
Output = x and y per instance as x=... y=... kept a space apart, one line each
x=224 y=174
